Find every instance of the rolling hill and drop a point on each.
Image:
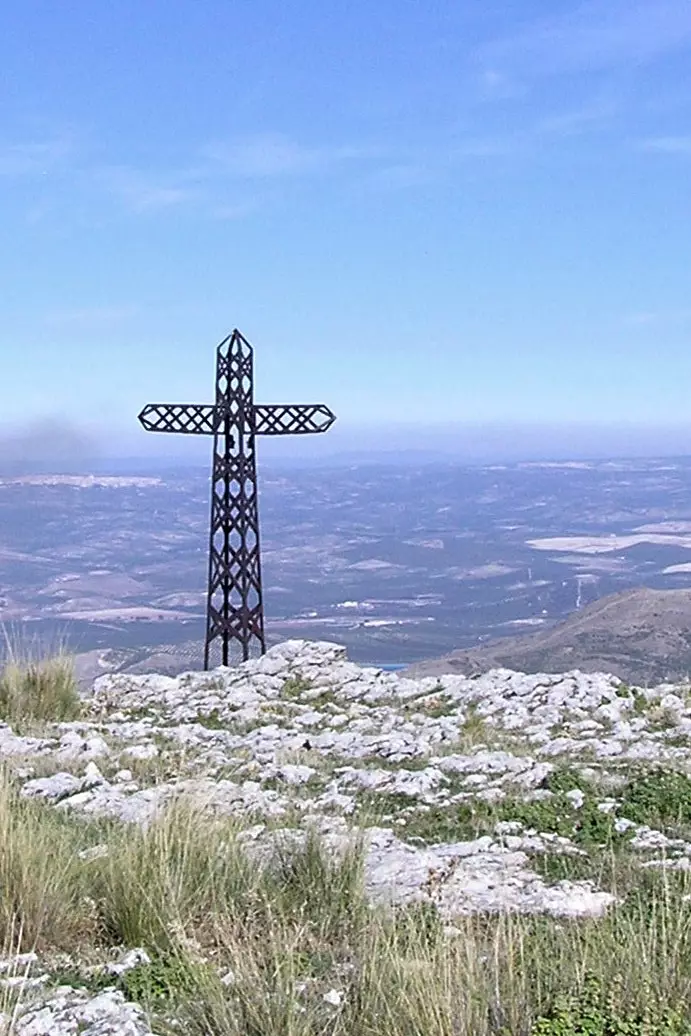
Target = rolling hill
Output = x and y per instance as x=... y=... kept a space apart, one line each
x=642 y=636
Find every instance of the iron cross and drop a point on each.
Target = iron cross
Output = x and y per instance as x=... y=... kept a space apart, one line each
x=234 y=597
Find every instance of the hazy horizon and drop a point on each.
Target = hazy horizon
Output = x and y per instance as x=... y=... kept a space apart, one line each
x=56 y=444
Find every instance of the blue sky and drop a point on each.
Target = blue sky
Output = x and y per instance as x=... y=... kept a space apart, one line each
x=419 y=212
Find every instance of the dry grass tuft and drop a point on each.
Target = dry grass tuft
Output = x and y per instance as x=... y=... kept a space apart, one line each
x=39 y=692
x=35 y=687
x=41 y=887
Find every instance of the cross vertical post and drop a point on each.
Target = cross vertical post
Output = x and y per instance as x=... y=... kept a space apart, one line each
x=234 y=609
x=234 y=613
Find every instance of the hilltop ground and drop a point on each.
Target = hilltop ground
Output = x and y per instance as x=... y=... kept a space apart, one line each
x=303 y=846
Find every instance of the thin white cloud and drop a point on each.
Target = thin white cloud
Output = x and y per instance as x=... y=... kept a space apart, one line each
x=598 y=34
x=33 y=158
x=498 y=86
x=234 y=210
x=401 y=175
x=668 y=145
x=204 y=182
x=274 y=155
x=486 y=147
x=90 y=318
x=577 y=121
x=145 y=191
x=658 y=318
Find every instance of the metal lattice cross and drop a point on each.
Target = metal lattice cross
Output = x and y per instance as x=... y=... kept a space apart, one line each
x=234 y=601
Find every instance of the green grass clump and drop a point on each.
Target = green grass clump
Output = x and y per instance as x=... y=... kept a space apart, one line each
x=211 y=720
x=295 y=686
x=658 y=798
x=165 y=979
x=39 y=691
x=594 y=1012
x=586 y=826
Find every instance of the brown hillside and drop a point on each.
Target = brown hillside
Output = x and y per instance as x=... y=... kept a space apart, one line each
x=643 y=636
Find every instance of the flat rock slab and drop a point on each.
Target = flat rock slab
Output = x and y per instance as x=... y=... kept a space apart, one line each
x=73 y=1012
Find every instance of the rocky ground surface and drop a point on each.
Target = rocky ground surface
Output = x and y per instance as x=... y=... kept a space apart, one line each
x=475 y=794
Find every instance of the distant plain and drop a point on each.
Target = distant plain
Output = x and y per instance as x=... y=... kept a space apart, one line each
x=400 y=563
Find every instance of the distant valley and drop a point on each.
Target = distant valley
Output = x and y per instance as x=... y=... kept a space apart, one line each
x=401 y=563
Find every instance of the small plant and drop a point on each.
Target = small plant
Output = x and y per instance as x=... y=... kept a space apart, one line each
x=211 y=720
x=658 y=798
x=640 y=703
x=326 y=893
x=663 y=719
x=554 y=867
x=677 y=740
x=474 y=726
x=592 y=1012
x=439 y=705
x=379 y=762
x=166 y=978
x=140 y=712
x=94 y=981
x=457 y=823
x=586 y=825
x=321 y=699
x=565 y=778
x=294 y=686
x=169 y=977
x=375 y=807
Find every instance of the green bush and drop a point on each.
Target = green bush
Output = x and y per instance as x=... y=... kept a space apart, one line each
x=295 y=686
x=166 y=978
x=593 y=1013
x=658 y=798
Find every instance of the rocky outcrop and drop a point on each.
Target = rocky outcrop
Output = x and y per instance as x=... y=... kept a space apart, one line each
x=446 y=780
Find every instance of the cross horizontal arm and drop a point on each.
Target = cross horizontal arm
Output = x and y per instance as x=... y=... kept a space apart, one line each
x=270 y=418
x=292 y=419
x=189 y=418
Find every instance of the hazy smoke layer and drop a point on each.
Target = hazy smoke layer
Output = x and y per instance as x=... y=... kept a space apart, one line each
x=490 y=443
x=52 y=446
